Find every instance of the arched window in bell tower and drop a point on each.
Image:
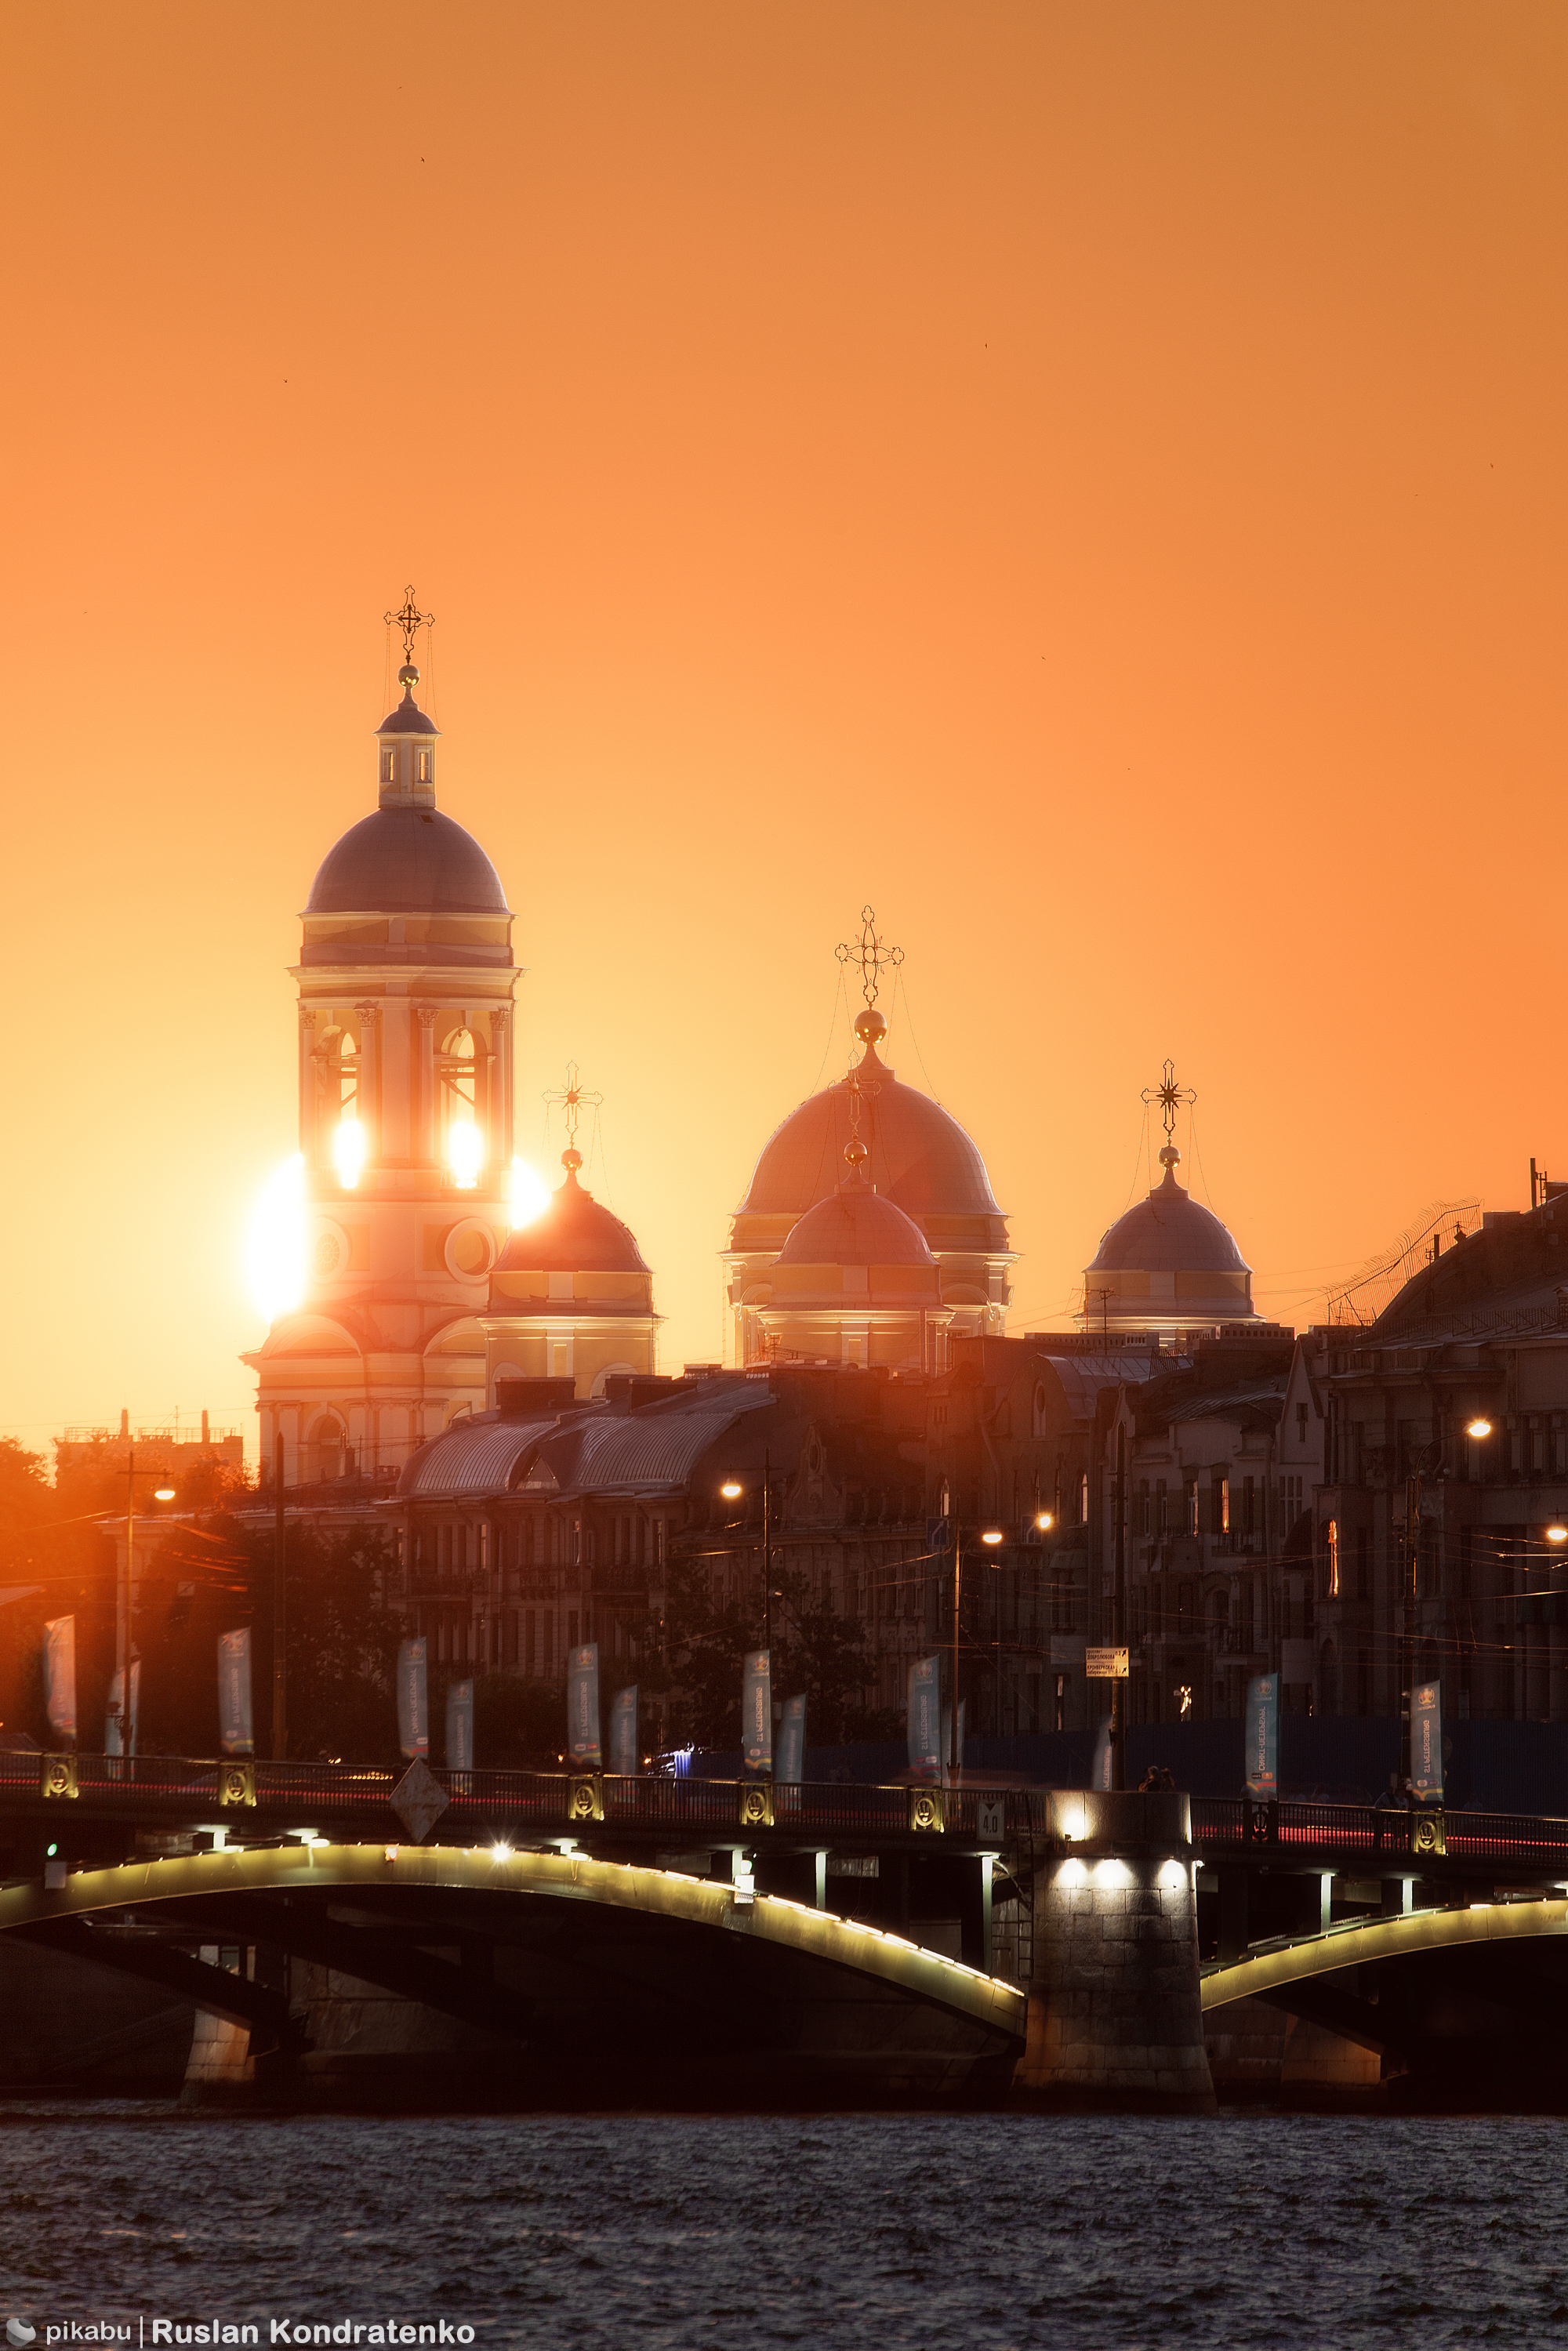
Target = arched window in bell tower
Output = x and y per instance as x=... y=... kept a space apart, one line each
x=462 y=1140
x=337 y=1069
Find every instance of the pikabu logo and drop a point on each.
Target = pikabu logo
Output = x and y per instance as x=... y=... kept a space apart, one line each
x=18 y=2332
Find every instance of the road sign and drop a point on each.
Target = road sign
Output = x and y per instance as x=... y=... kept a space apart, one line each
x=1105 y=1665
x=419 y=1800
x=991 y=1819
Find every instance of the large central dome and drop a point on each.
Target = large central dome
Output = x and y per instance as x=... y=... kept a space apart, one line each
x=919 y=1158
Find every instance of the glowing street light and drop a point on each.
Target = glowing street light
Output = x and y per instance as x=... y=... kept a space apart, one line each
x=731 y=1489
x=1044 y=1521
x=992 y=1535
x=1557 y=1534
x=163 y=1493
x=1478 y=1428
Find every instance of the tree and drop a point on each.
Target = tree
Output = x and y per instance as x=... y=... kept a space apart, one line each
x=815 y=1649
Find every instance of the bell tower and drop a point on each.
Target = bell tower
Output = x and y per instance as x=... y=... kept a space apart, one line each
x=407 y=986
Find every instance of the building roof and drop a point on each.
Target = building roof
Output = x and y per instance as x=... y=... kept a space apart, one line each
x=920 y=1157
x=1169 y=1232
x=586 y=1448
x=408 y=718
x=856 y=1226
x=573 y=1234
x=406 y=861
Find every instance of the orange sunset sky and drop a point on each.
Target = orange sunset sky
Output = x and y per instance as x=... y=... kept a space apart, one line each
x=1088 y=479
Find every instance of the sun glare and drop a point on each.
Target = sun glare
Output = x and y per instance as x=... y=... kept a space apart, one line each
x=275 y=1253
x=465 y=1154
x=348 y=1152
x=530 y=1199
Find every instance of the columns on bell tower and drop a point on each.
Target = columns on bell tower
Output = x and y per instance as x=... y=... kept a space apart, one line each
x=501 y=1086
x=425 y=1027
x=309 y=1138
x=368 y=1091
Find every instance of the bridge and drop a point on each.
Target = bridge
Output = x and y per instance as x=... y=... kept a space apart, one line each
x=268 y=1867
x=1468 y=2004
x=571 y=1980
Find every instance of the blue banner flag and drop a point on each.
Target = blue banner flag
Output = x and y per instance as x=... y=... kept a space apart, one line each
x=1427 y=1741
x=412 y=1705
x=925 y=1755
x=460 y=1726
x=623 y=1755
x=757 y=1712
x=235 y=1732
x=583 y=1751
x=938 y=1534
x=60 y=1678
x=1261 y=1746
x=791 y=1764
x=1100 y=1772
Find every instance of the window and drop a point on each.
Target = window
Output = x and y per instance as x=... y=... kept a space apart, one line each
x=1191 y=1514
x=1083 y=1500
x=389 y=766
x=1332 y=1539
x=1221 y=1503
x=1162 y=1519
x=1301 y=1424
x=1142 y=1506
x=1249 y=1507
x=425 y=767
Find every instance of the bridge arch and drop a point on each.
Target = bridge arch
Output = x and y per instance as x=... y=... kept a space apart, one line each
x=561 y=1975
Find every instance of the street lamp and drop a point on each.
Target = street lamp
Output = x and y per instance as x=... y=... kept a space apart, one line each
x=123 y=1626
x=1478 y=1428
x=732 y=1489
x=1557 y=1534
x=1044 y=1521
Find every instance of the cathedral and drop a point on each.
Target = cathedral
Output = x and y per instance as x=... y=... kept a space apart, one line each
x=869 y=1236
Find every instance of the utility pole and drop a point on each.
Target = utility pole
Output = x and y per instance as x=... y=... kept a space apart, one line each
x=958 y=1610
x=767 y=1560
x=1119 y=1617
x=1407 y=1642
x=280 y=1612
x=122 y=1606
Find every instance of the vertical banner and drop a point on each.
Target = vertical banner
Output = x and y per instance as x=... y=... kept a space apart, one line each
x=235 y=1732
x=1100 y=1772
x=757 y=1712
x=61 y=1677
x=1262 y=1740
x=117 y=1737
x=583 y=1751
x=792 y=1760
x=460 y=1726
x=1427 y=1741
x=925 y=1751
x=623 y=1756
x=413 y=1706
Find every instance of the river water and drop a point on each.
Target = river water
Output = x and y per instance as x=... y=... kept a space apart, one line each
x=972 y=2234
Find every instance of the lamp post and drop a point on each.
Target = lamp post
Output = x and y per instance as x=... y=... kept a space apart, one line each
x=732 y=1491
x=280 y=1612
x=124 y=1613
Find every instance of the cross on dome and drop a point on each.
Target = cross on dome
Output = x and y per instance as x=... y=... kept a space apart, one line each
x=1169 y=1096
x=410 y=620
x=572 y=1099
x=869 y=952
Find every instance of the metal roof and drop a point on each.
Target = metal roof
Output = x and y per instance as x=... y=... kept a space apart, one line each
x=406 y=861
x=473 y=1456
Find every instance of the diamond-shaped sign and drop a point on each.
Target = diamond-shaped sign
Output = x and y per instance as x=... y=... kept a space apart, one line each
x=419 y=1800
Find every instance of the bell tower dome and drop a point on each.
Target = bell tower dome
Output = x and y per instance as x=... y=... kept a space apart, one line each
x=406 y=984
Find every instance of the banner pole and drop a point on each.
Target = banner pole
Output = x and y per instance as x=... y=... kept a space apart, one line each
x=280 y=1612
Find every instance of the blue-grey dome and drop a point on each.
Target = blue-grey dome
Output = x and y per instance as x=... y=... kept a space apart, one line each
x=1169 y=1233
x=407 y=860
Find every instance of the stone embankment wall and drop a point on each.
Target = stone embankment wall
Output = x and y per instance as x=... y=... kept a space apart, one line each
x=1115 y=2018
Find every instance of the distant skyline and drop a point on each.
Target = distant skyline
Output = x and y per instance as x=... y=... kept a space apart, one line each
x=1089 y=483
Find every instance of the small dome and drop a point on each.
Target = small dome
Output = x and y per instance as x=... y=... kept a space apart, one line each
x=921 y=1160
x=407 y=860
x=573 y=1234
x=856 y=1226
x=1168 y=1233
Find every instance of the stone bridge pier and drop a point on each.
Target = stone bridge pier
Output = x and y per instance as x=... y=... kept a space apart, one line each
x=1116 y=2015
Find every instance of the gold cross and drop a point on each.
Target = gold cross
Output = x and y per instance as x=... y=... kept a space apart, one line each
x=1168 y=1095
x=411 y=620
x=873 y=957
x=573 y=1099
